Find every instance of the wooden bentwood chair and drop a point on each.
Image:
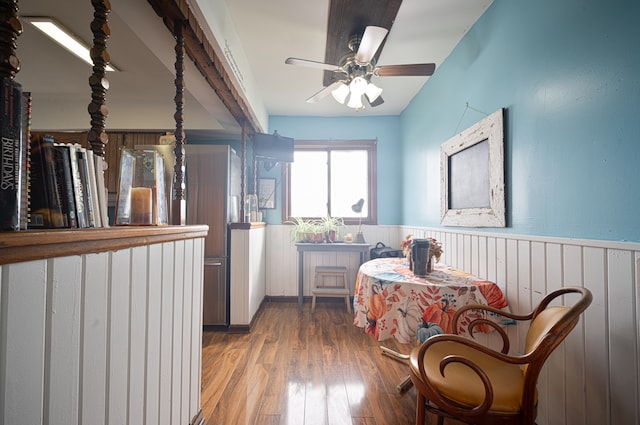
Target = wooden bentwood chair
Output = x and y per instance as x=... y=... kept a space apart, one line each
x=458 y=378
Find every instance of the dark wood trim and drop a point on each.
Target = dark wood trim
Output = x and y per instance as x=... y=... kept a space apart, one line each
x=98 y=82
x=28 y=245
x=179 y=201
x=247 y=226
x=202 y=52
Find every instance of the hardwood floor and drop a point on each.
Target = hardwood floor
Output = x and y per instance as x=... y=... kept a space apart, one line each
x=299 y=369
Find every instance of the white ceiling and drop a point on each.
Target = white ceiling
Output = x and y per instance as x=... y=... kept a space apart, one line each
x=262 y=35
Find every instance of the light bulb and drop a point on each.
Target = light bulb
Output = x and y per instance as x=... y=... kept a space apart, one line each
x=358 y=86
x=355 y=101
x=340 y=94
x=372 y=92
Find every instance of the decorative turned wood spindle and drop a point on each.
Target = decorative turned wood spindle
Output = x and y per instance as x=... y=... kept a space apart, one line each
x=243 y=175
x=178 y=209
x=99 y=85
x=10 y=29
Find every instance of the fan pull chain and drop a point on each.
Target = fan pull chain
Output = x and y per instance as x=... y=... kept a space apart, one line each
x=464 y=112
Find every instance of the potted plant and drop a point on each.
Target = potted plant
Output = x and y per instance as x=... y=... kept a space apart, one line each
x=302 y=229
x=330 y=227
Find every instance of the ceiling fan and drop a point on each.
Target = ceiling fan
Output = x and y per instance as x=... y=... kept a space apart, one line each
x=353 y=74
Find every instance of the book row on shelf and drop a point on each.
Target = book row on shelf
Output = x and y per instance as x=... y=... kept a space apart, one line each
x=44 y=184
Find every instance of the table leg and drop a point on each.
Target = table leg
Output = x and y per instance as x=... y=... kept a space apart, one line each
x=406 y=382
x=300 y=279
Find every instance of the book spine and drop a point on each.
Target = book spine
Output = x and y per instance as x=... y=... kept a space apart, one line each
x=11 y=146
x=49 y=182
x=39 y=201
x=65 y=182
x=102 y=190
x=86 y=185
x=53 y=188
x=93 y=188
x=78 y=189
x=26 y=148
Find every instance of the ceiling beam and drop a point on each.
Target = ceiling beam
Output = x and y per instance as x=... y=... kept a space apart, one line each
x=203 y=55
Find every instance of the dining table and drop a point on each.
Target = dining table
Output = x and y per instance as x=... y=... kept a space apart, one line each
x=390 y=301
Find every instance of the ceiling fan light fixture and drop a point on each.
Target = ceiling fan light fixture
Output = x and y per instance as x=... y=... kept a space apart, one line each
x=340 y=94
x=372 y=92
x=355 y=101
x=358 y=86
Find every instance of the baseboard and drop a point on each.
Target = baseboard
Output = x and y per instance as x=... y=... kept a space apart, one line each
x=305 y=299
x=198 y=419
x=245 y=329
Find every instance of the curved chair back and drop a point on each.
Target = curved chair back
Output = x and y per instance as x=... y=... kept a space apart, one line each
x=503 y=400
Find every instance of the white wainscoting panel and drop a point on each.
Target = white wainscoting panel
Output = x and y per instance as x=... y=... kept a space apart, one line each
x=248 y=274
x=101 y=339
x=593 y=378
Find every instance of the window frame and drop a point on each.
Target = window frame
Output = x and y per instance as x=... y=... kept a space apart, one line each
x=335 y=145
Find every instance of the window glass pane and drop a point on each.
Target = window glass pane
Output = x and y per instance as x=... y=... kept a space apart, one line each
x=349 y=182
x=309 y=192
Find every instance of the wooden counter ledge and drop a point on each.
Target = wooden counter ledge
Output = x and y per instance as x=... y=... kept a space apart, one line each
x=17 y=247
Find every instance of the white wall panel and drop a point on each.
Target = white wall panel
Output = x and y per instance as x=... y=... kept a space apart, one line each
x=196 y=328
x=137 y=332
x=597 y=394
x=62 y=341
x=93 y=354
x=186 y=333
x=106 y=339
x=248 y=272
x=166 y=332
x=118 y=338
x=623 y=338
x=152 y=338
x=176 y=363
x=22 y=359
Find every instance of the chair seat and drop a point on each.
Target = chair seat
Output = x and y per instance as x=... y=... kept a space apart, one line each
x=461 y=385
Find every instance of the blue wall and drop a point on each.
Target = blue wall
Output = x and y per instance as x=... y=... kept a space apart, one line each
x=568 y=75
x=386 y=130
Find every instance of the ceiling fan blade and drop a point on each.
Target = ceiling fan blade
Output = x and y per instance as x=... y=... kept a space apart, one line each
x=371 y=41
x=324 y=92
x=410 y=70
x=312 y=64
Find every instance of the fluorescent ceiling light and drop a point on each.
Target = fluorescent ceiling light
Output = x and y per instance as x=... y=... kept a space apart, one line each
x=63 y=37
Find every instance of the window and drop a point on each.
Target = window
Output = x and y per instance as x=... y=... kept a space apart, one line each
x=327 y=177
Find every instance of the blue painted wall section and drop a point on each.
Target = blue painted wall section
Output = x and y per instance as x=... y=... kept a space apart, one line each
x=568 y=74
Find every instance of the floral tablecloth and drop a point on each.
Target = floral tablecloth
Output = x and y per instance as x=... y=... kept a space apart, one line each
x=390 y=301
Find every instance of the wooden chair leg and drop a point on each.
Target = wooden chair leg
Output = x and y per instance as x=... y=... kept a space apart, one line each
x=420 y=408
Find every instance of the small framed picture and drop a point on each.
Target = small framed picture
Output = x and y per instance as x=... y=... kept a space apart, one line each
x=266 y=193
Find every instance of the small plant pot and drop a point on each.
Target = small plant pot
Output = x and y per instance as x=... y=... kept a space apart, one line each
x=330 y=236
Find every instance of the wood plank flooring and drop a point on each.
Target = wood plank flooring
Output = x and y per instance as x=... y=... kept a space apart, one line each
x=302 y=369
